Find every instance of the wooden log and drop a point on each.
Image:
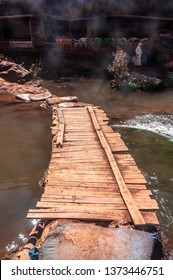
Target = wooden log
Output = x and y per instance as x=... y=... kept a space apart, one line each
x=60 y=136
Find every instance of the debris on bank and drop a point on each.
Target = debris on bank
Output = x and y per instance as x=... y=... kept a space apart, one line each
x=14 y=73
x=16 y=80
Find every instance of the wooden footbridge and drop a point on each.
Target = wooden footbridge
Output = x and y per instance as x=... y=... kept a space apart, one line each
x=91 y=175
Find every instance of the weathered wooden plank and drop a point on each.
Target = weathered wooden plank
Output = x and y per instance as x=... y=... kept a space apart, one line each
x=80 y=183
x=63 y=160
x=79 y=204
x=70 y=172
x=150 y=218
x=80 y=177
x=134 y=181
x=142 y=204
x=132 y=187
x=80 y=180
x=77 y=149
x=114 y=147
x=60 y=116
x=76 y=165
x=78 y=154
x=83 y=191
x=53 y=192
x=60 y=135
x=120 y=215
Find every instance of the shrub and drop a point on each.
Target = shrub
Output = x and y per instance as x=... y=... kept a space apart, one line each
x=119 y=68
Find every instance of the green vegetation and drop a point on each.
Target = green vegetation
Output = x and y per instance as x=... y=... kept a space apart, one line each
x=35 y=70
x=168 y=81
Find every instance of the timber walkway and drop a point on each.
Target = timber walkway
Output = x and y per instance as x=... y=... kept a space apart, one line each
x=91 y=175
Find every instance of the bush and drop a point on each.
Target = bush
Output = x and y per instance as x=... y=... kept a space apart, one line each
x=119 y=68
x=168 y=81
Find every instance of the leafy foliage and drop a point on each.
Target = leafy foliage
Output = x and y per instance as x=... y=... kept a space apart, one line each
x=168 y=81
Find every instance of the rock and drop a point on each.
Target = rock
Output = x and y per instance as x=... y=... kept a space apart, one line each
x=137 y=81
x=57 y=100
x=84 y=241
x=13 y=72
x=24 y=97
x=40 y=96
x=28 y=97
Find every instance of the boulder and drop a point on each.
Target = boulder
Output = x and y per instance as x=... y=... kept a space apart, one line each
x=137 y=81
x=40 y=96
x=13 y=72
x=28 y=97
x=24 y=97
x=84 y=241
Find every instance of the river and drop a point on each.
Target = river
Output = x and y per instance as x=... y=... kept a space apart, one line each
x=145 y=121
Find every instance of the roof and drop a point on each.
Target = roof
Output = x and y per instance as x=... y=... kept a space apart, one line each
x=17 y=16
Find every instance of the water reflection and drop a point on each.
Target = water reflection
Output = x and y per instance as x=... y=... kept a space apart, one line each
x=25 y=143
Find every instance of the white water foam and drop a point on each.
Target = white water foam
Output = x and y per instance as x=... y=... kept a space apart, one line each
x=160 y=124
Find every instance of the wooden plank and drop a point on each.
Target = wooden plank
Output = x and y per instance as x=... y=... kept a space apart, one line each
x=54 y=192
x=70 y=172
x=150 y=218
x=94 y=191
x=134 y=181
x=60 y=136
x=60 y=116
x=80 y=180
x=127 y=197
x=77 y=166
x=79 y=154
x=135 y=187
x=120 y=215
x=76 y=149
x=64 y=160
x=80 y=183
x=82 y=191
x=86 y=198
x=67 y=204
x=143 y=204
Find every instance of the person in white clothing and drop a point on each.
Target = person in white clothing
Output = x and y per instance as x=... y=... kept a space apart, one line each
x=138 y=51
